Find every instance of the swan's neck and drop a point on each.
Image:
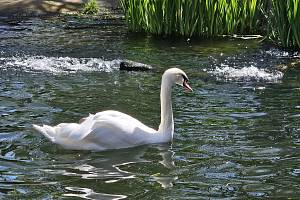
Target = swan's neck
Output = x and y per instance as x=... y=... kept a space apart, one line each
x=166 y=127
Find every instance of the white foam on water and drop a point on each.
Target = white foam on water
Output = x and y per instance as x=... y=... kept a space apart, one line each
x=251 y=73
x=279 y=53
x=58 y=65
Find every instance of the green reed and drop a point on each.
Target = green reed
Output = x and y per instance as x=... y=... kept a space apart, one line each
x=286 y=22
x=211 y=18
x=192 y=17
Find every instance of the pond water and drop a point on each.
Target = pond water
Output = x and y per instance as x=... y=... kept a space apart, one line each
x=236 y=136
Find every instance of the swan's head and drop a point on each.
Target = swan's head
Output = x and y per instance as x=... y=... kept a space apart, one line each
x=178 y=77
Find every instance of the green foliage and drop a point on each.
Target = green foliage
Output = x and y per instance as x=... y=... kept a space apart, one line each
x=210 y=18
x=193 y=17
x=91 y=8
x=286 y=22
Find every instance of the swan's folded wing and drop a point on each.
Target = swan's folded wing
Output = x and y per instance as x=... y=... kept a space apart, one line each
x=120 y=123
x=95 y=125
x=113 y=133
x=74 y=131
x=110 y=124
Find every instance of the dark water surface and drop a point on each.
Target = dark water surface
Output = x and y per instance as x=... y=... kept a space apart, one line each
x=236 y=136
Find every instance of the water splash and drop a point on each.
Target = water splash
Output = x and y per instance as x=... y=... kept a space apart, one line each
x=251 y=73
x=279 y=53
x=57 y=65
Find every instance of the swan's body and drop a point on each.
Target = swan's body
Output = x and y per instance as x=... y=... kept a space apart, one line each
x=115 y=130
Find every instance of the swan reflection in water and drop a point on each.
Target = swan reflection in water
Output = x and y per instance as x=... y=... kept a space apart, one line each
x=110 y=167
x=166 y=161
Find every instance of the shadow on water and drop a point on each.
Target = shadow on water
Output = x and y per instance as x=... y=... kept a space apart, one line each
x=236 y=136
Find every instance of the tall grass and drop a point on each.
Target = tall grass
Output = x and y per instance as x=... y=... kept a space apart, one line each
x=192 y=17
x=286 y=22
x=210 y=18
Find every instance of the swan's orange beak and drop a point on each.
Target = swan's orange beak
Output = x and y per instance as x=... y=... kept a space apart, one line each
x=187 y=86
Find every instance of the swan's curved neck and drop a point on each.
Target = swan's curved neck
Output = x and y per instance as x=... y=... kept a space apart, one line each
x=166 y=127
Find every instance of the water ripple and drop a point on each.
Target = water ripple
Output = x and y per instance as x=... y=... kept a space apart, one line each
x=87 y=193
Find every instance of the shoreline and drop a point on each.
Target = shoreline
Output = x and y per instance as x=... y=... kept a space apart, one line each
x=22 y=9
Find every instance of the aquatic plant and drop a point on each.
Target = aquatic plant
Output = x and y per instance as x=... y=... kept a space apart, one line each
x=211 y=18
x=193 y=17
x=286 y=22
x=91 y=8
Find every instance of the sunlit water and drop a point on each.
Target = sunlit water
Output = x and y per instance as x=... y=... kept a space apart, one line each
x=236 y=135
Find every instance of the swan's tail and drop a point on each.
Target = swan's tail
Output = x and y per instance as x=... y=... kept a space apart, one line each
x=47 y=131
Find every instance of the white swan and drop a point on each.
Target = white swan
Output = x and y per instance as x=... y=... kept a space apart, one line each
x=115 y=130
